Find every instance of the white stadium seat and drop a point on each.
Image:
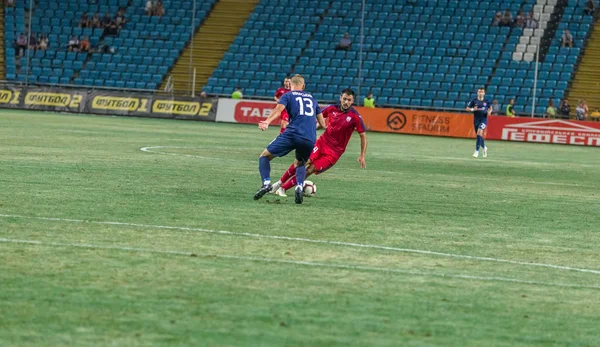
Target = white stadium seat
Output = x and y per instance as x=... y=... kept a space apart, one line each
x=518 y=56
x=552 y=2
x=544 y=25
x=528 y=32
x=538 y=8
x=528 y=57
x=539 y=32
x=521 y=48
x=548 y=9
x=541 y=2
x=531 y=48
x=524 y=40
x=537 y=15
x=536 y=40
x=545 y=17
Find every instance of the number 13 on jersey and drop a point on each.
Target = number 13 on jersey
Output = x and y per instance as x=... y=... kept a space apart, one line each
x=306 y=107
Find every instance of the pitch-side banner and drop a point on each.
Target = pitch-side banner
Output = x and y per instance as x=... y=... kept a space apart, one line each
x=245 y=111
x=147 y=105
x=566 y=132
x=10 y=96
x=418 y=122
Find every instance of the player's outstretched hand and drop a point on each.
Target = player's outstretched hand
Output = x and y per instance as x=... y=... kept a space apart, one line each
x=361 y=160
x=263 y=125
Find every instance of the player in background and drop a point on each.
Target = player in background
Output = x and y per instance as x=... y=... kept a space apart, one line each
x=300 y=135
x=481 y=109
x=342 y=121
x=284 y=116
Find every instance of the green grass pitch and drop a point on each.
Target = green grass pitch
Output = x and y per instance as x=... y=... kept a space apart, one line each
x=103 y=244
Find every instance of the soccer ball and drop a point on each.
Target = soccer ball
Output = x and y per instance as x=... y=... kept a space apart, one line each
x=310 y=189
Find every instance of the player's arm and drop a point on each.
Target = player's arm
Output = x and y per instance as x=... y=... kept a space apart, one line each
x=489 y=113
x=264 y=125
x=321 y=121
x=470 y=106
x=363 y=150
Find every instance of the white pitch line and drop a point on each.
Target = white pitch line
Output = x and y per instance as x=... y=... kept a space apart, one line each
x=300 y=262
x=316 y=241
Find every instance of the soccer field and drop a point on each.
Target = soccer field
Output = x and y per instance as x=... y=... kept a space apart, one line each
x=143 y=232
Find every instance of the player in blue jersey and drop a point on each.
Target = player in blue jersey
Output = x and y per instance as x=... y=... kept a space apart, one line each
x=481 y=109
x=300 y=135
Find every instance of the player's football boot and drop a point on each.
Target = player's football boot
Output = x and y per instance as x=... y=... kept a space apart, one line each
x=476 y=154
x=485 y=152
x=280 y=192
x=299 y=195
x=262 y=191
x=276 y=187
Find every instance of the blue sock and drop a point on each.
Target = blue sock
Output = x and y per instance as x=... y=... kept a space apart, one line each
x=477 y=142
x=264 y=166
x=482 y=142
x=300 y=175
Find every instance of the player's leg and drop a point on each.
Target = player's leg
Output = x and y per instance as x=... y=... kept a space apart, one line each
x=477 y=143
x=279 y=147
x=303 y=152
x=480 y=133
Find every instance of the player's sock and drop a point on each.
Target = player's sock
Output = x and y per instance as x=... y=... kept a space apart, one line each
x=264 y=166
x=478 y=143
x=300 y=175
x=291 y=171
x=482 y=142
x=289 y=184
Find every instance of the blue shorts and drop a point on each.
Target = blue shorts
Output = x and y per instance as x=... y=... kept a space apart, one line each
x=480 y=124
x=287 y=142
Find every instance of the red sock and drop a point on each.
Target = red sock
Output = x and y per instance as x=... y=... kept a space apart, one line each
x=289 y=173
x=289 y=184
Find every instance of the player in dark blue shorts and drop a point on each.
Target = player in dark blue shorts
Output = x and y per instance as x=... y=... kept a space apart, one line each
x=300 y=135
x=481 y=109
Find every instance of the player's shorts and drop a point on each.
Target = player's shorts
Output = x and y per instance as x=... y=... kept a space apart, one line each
x=323 y=157
x=287 y=142
x=480 y=124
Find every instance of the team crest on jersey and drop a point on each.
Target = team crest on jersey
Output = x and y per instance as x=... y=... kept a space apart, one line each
x=348 y=119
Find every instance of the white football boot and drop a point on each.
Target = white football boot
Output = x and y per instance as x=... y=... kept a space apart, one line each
x=280 y=192
x=276 y=187
x=485 y=152
x=476 y=154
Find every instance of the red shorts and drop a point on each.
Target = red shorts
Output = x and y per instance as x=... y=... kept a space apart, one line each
x=323 y=157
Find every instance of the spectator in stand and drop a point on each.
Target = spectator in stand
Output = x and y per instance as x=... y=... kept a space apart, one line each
x=506 y=19
x=369 y=101
x=149 y=7
x=43 y=42
x=551 y=110
x=237 y=93
x=97 y=21
x=73 y=44
x=159 y=9
x=510 y=108
x=120 y=19
x=520 y=20
x=497 y=19
x=567 y=39
x=344 y=43
x=495 y=108
x=531 y=22
x=10 y=3
x=33 y=41
x=580 y=112
x=595 y=115
x=21 y=44
x=85 y=45
x=106 y=20
x=590 y=8
x=564 y=108
x=84 y=21
x=110 y=30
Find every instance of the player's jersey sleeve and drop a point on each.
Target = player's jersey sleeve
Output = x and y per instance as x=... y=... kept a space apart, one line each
x=359 y=124
x=279 y=92
x=327 y=111
x=489 y=105
x=471 y=104
x=317 y=108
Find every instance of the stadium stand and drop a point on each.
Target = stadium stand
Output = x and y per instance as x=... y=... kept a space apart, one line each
x=429 y=54
x=211 y=42
x=2 y=63
x=585 y=84
x=139 y=56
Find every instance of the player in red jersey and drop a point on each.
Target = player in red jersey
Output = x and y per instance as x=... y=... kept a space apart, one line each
x=285 y=119
x=342 y=121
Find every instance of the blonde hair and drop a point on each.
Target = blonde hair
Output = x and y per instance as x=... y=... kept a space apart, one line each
x=297 y=80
